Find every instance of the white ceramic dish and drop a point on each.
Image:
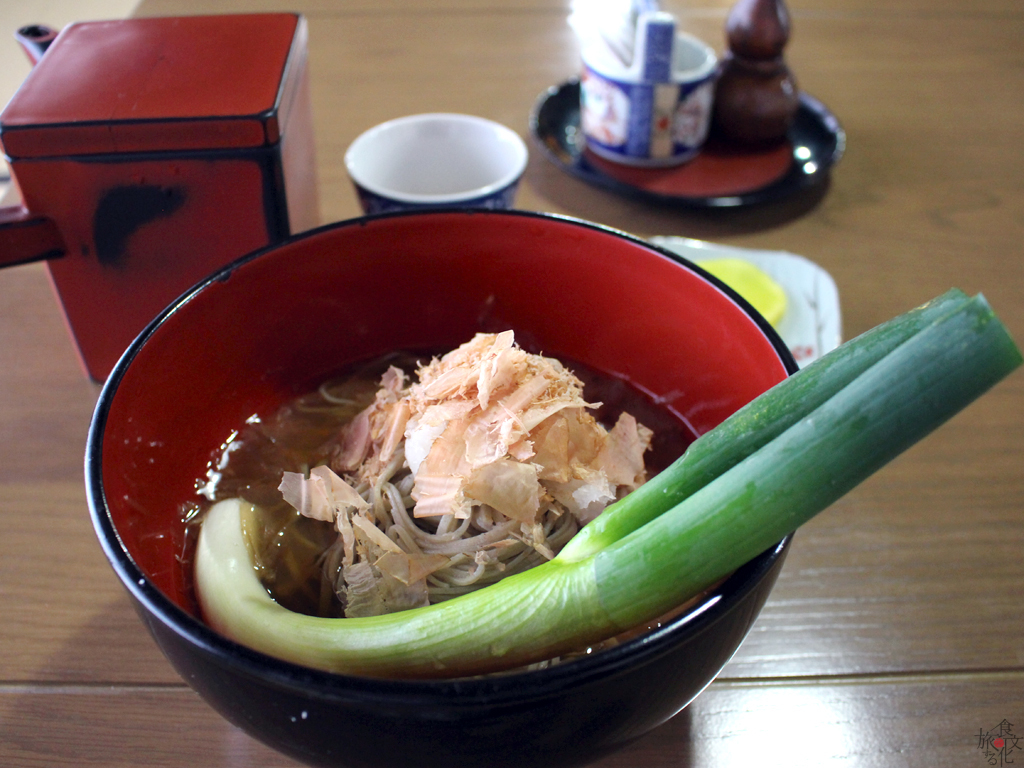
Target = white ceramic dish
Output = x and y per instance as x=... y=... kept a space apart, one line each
x=812 y=324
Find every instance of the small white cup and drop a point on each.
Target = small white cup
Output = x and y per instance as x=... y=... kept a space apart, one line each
x=436 y=160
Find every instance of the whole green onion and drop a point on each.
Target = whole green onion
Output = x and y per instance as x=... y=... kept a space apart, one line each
x=739 y=489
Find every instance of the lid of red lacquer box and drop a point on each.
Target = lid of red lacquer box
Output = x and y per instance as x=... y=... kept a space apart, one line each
x=144 y=85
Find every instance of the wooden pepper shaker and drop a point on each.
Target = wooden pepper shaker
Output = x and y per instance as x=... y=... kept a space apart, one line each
x=756 y=95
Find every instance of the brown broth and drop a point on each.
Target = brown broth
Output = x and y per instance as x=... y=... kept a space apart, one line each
x=295 y=438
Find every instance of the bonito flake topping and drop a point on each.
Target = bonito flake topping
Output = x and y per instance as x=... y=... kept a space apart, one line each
x=487 y=434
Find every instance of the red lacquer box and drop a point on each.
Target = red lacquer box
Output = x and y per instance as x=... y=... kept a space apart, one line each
x=151 y=152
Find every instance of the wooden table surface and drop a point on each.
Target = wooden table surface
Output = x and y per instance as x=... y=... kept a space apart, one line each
x=895 y=636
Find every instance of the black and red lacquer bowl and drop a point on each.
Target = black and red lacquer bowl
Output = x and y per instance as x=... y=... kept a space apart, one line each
x=268 y=326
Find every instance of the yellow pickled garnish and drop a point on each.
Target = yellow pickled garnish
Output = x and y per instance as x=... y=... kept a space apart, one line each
x=750 y=282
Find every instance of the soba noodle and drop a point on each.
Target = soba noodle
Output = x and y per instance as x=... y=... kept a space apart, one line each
x=481 y=548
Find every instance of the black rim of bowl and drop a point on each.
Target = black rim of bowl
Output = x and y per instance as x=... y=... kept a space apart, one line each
x=515 y=686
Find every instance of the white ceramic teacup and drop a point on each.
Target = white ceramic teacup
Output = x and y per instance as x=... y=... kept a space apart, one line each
x=657 y=110
x=434 y=160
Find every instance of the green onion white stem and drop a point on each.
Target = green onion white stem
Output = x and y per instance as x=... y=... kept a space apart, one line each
x=759 y=476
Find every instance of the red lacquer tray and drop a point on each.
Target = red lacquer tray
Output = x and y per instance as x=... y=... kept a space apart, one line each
x=721 y=176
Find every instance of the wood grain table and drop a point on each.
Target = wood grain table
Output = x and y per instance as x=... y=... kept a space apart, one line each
x=895 y=636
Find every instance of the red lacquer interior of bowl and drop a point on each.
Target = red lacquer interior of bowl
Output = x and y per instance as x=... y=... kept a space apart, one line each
x=288 y=317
